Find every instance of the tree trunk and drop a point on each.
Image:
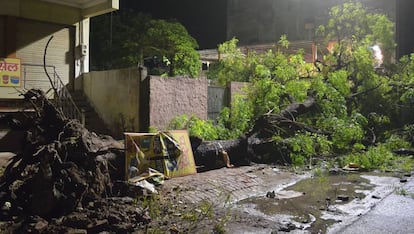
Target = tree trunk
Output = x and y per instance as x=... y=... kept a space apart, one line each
x=256 y=145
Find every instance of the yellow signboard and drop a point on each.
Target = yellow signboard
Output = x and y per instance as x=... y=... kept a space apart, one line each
x=185 y=163
x=10 y=72
x=167 y=152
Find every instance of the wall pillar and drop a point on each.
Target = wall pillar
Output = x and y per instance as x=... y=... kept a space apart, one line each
x=82 y=47
x=81 y=52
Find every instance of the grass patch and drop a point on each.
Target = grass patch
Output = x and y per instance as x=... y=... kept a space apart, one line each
x=404 y=192
x=172 y=214
x=380 y=157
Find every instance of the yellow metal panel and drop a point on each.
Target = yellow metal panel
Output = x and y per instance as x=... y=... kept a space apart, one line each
x=152 y=150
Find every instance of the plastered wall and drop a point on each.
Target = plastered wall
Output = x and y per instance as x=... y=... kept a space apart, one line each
x=128 y=104
x=170 y=97
x=115 y=96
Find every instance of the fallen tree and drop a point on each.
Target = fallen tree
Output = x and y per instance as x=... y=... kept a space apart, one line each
x=256 y=145
x=363 y=101
x=64 y=169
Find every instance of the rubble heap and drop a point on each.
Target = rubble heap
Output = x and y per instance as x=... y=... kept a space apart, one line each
x=64 y=171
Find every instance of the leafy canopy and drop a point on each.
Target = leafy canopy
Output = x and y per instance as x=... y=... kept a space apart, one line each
x=135 y=36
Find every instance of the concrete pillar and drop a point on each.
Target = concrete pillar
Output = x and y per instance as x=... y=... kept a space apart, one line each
x=82 y=47
x=81 y=52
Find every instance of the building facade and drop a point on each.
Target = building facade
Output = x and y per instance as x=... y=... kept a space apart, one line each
x=34 y=33
x=264 y=21
x=252 y=22
x=405 y=34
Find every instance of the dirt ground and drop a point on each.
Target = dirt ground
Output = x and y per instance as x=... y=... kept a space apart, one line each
x=200 y=203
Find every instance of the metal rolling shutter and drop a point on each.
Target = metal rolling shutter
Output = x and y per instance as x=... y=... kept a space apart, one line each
x=32 y=37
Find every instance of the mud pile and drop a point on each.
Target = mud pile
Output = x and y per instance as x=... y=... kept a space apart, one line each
x=63 y=177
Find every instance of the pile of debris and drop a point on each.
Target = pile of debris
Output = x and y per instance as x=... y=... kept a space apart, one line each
x=64 y=176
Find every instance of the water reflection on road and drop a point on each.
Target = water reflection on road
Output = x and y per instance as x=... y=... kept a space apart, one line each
x=326 y=201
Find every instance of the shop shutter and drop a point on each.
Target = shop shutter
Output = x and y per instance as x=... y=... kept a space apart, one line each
x=32 y=37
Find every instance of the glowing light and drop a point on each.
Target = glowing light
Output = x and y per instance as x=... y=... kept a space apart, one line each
x=379 y=57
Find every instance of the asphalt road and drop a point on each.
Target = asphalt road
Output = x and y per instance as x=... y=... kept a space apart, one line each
x=393 y=214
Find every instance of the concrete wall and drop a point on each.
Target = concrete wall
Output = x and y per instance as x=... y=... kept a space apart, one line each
x=126 y=103
x=170 y=97
x=115 y=96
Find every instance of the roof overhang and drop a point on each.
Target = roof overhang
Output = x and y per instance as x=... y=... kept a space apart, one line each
x=77 y=3
x=57 y=11
x=89 y=8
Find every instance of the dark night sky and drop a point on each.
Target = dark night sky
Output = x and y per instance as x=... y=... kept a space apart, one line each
x=204 y=20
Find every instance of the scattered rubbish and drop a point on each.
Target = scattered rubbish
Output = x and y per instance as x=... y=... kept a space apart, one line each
x=147 y=186
x=376 y=197
x=335 y=171
x=148 y=180
x=150 y=175
x=343 y=197
x=352 y=167
x=271 y=194
x=275 y=169
x=174 y=230
x=403 y=180
x=287 y=227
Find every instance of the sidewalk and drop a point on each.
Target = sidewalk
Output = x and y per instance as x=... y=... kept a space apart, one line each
x=239 y=183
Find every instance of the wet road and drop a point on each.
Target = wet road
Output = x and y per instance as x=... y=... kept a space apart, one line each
x=394 y=214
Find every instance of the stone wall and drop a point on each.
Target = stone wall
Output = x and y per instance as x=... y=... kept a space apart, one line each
x=170 y=97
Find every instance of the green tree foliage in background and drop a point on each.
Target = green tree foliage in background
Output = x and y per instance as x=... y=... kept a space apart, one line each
x=362 y=103
x=125 y=38
x=232 y=66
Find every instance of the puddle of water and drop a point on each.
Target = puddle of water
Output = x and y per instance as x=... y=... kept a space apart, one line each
x=305 y=201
